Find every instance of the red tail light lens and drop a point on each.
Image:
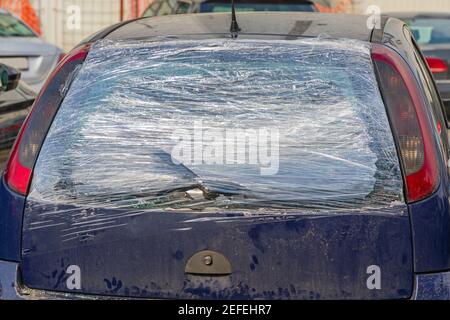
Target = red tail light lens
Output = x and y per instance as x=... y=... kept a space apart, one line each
x=437 y=65
x=61 y=57
x=19 y=169
x=410 y=122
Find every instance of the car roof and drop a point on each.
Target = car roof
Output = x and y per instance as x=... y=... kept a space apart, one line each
x=412 y=15
x=285 y=24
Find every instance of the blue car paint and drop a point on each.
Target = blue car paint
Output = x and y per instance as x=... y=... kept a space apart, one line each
x=427 y=287
x=11 y=216
x=143 y=254
x=8 y=281
x=432 y=286
x=430 y=220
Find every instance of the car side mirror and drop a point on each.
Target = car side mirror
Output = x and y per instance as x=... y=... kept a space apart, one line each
x=9 y=78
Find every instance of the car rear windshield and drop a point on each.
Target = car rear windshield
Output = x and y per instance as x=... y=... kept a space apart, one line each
x=430 y=30
x=12 y=27
x=218 y=125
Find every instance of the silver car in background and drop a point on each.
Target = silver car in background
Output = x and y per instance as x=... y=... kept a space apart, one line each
x=22 y=49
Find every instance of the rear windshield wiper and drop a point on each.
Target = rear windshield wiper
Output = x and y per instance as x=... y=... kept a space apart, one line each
x=211 y=189
x=195 y=196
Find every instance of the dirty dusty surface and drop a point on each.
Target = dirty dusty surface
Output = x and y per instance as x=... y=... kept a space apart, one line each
x=3 y=158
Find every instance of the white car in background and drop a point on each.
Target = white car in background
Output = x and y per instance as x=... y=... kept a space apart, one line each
x=22 y=49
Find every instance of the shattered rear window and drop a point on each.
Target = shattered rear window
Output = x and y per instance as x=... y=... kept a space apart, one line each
x=221 y=125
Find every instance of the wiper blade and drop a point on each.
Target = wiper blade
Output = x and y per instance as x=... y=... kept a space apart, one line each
x=194 y=197
x=217 y=188
x=210 y=189
x=217 y=185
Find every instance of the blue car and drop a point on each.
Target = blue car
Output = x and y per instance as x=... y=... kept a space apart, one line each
x=291 y=156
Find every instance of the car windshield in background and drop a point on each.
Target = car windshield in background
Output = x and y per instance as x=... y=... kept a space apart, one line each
x=255 y=6
x=12 y=27
x=222 y=125
x=430 y=30
x=165 y=7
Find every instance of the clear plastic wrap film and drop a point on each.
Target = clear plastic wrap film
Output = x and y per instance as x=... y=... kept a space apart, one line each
x=115 y=140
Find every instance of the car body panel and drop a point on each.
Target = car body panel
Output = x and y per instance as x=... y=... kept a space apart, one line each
x=11 y=215
x=288 y=25
x=41 y=57
x=299 y=256
x=435 y=286
x=430 y=224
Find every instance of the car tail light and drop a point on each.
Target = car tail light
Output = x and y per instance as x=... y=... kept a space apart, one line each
x=61 y=57
x=20 y=165
x=437 y=65
x=410 y=122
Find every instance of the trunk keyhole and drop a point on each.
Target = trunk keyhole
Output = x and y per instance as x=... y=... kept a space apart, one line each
x=208 y=260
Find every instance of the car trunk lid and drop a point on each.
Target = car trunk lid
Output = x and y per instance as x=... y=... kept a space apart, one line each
x=298 y=256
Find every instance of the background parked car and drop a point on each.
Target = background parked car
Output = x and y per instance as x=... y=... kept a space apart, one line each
x=16 y=99
x=92 y=203
x=166 y=7
x=432 y=33
x=22 y=49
